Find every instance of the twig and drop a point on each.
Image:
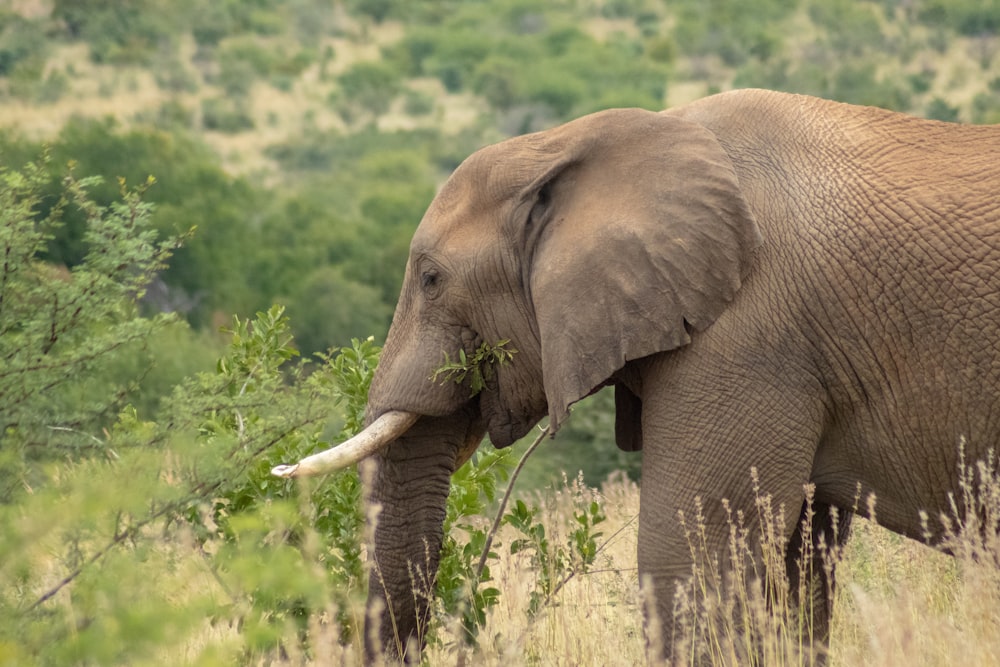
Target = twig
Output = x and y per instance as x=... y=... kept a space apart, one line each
x=503 y=502
x=576 y=570
x=200 y=490
x=98 y=441
x=115 y=541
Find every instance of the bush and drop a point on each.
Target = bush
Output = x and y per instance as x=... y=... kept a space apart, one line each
x=731 y=29
x=20 y=40
x=173 y=75
x=418 y=103
x=121 y=32
x=456 y=55
x=938 y=109
x=30 y=82
x=61 y=330
x=852 y=28
x=227 y=115
x=986 y=108
x=969 y=17
x=369 y=87
x=329 y=309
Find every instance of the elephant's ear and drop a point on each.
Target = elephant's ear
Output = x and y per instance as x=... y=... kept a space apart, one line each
x=638 y=233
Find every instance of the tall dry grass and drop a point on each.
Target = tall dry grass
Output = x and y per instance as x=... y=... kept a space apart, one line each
x=903 y=603
x=898 y=602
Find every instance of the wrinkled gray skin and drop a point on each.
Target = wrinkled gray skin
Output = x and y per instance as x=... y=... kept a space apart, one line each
x=767 y=280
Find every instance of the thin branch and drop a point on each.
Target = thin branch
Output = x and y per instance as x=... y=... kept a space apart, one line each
x=199 y=490
x=578 y=570
x=241 y=426
x=118 y=539
x=503 y=503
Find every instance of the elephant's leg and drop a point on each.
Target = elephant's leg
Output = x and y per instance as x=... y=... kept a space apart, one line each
x=704 y=432
x=684 y=562
x=829 y=529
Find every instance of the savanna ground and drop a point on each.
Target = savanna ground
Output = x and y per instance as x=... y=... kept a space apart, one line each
x=899 y=602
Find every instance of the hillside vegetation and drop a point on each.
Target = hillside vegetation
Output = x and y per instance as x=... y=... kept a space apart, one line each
x=304 y=138
x=206 y=207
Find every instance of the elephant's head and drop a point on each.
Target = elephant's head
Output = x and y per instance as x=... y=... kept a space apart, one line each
x=604 y=240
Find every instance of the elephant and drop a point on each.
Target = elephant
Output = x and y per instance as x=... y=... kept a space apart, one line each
x=766 y=280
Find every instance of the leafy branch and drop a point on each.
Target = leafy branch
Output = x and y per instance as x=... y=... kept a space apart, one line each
x=555 y=563
x=479 y=368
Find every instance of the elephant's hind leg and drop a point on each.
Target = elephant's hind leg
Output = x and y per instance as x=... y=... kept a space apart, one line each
x=812 y=570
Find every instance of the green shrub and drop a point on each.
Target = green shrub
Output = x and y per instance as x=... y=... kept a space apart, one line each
x=380 y=10
x=173 y=75
x=852 y=28
x=62 y=330
x=731 y=29
x=30 y=82
x=223 y=114
x=417 y=103
x=329 y=309
x=938 y=109
x=369 y=87
x=236 y=76
x=20 y=40
x=211 y=22
x=455 y=57
x=986 y=108
x=121 y=32
x=969 y=17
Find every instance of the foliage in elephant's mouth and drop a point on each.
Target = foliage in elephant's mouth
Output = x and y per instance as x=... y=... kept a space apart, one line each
x=478 y=368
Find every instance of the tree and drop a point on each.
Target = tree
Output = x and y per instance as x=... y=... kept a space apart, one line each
x=60 y=328
x=368 y=88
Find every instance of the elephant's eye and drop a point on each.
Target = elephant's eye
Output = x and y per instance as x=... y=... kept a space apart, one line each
x=542 y=201
x=430 y=280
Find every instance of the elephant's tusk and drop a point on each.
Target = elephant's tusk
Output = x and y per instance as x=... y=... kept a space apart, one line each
x=378 y=434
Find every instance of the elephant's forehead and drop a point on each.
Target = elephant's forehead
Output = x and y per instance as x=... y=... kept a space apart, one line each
x=479 y=193
x=495 y=174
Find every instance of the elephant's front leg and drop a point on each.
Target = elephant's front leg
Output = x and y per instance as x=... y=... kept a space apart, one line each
x=703 y=435
x=686 y=550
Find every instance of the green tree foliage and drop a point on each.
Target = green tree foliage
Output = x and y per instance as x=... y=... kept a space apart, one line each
x=731 y=29
x=159 y=502
x=495 y=52
x=209 y=273
x=21 y=41
x=328 y=306
x=59 y=328
x=968 y=17
x=244 y=59
x=122 y=31
x=367 y=88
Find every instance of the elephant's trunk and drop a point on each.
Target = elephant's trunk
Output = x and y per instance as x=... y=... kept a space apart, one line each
x=410 y=486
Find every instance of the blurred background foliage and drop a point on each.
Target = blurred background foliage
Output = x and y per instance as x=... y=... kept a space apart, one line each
x=295 y=145
x=303 y=139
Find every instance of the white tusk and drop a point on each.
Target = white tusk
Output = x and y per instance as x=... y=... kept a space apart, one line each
x=379 y=433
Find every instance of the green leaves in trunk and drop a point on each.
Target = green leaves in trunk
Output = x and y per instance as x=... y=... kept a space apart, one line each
x=477 y=369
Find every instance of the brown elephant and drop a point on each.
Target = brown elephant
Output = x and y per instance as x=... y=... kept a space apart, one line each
x=769 y=280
